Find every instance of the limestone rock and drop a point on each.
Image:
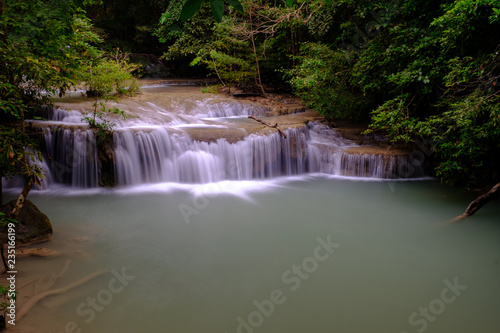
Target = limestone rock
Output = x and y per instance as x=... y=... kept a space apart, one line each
x=33 y=226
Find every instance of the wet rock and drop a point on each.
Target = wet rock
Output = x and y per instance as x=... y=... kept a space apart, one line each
x=33 y=226
x=106 y=164
x=231 y=135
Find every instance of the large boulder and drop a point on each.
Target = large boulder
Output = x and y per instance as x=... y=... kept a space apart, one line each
x=33 y=226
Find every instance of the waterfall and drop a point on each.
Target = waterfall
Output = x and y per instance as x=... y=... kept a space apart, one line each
x=363 y=165
x=156 y=147
x=60 y=115
x=71 y=155
x=226 y=109
x=160 y=156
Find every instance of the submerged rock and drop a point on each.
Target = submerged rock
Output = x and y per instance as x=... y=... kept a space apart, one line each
x=33 y=226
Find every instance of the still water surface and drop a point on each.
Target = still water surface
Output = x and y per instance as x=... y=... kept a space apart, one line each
x=302 y=254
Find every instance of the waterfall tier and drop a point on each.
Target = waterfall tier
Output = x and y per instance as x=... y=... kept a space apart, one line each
x=161 y=154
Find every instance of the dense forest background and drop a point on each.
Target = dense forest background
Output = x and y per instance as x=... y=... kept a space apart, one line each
x=423 y=73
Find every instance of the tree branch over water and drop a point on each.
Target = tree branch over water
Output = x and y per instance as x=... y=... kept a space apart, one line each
x=268 y=125
x=475 y=205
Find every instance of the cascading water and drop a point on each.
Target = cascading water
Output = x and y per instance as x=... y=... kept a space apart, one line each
x=159 y=156
x=156 y=155
x=157 y=147
x=226 y=109
x=330 y=153
x=71 y=156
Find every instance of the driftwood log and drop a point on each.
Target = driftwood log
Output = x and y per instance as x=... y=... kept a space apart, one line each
x=273 y=126
x=48 y=291
x=475 y=205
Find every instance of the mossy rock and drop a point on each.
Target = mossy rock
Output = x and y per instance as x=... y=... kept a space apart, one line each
x=33 y=226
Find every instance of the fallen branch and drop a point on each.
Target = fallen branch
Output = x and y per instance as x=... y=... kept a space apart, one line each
x=475 y=205
x=273 y=126
x=27 y=284
x=35 y=299
x=53 y=279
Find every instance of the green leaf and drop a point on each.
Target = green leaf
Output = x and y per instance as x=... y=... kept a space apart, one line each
x=195 y=61
x=289 y=2
x=189 y=8
x=217 y=9
x=328 y=2
x=237 y=5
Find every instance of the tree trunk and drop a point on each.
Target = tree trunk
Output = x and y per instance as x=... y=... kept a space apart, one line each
x=3 y=258
x=475 y=205
x=258 y=79
x=20 y=200
x=217 y=72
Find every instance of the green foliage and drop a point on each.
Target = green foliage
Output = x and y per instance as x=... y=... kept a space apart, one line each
x=393 y=118
x=4 y=220
x=322 y=79
x=189 y=8
x=223 y=59
x=17 y=155
x=220 y=51
x=243 y=46
x=104 y=76
x=11 y=101
x=43 y=46
x=99 y=118
x=213 y=89
x=236 y=5
x=436 y=82
x=186 y=38
x=469 y=147
x=192 y=6
x=467 y=133
x=217 y=9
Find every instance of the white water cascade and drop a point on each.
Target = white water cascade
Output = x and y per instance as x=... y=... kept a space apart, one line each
x=157 y=145
x=71 y=156
x=160 y=156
